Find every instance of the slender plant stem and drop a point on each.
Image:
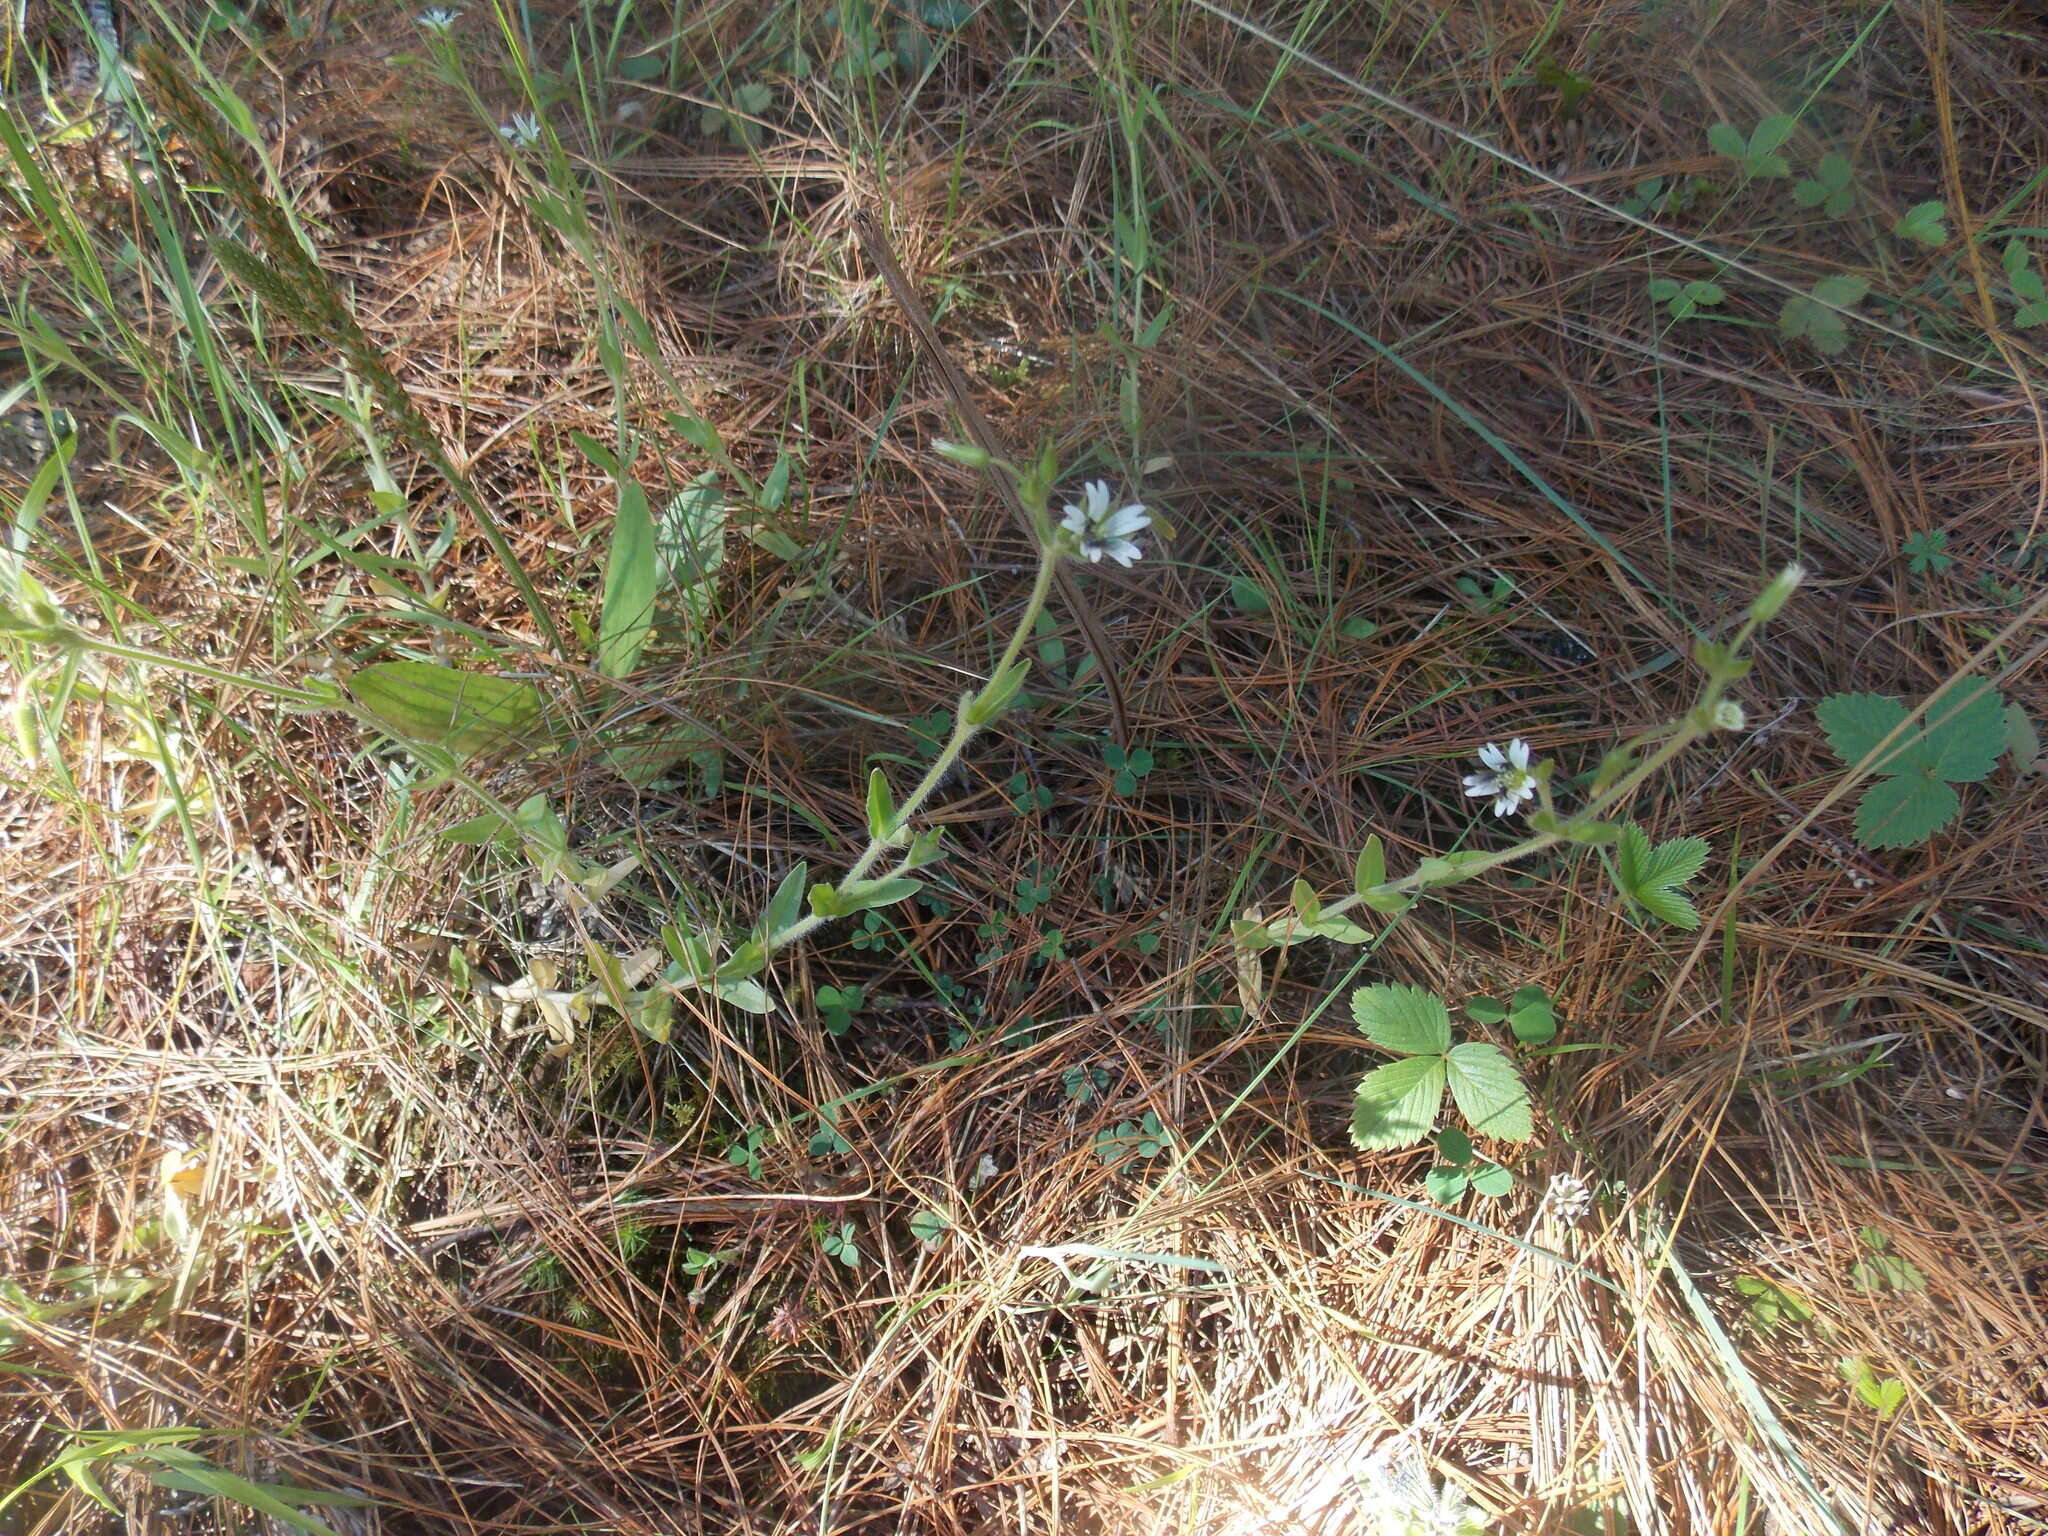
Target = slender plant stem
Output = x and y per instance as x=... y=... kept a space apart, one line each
x=965 y=729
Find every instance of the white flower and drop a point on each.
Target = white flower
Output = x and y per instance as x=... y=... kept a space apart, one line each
x=1508 y=778
x=1728 y=715
x=1098 y=531
x=523 y=130
x=438 y=18
x=1402 y=1499
x=1568 y=1196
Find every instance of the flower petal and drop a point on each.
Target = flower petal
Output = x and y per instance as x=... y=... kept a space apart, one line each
x=1125 y=521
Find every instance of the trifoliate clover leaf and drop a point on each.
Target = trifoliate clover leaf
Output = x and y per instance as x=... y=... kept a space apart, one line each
x=1489 y=1091
x=1397 y=1103
x=1533 y=1017
x=1405 y=1020
x=1652 y=876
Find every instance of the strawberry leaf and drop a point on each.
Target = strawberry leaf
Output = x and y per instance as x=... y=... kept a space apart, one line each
x=1896 y=812
x=1405 y=1020
x=1489 y=1091
x=1397 y=1103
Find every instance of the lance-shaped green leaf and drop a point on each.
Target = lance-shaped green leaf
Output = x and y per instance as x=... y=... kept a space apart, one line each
x=862 y=895
x=978 y=709
x=1371 y=870
x=882 y=825
x=787 y=904
x=925 y=848
x=467 y=713
x=631 y=575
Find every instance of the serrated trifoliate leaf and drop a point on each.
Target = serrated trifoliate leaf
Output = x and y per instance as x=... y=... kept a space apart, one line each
x=881 y=807
x=1651 y=875
x=468 y=713
x=1372 y=866
x=1674 y=862
x=1489 y=1091
x=787 y=904
x=1856 y=722
x=1397 y=1103
x=1924 y=224
x=1402 y=1019
x=1896 y=812
x=631 y=574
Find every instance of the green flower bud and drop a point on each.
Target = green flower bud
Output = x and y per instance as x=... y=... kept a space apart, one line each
x=967 y=455
x=1777 y=594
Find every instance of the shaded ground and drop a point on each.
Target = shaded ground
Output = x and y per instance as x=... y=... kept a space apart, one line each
x=1366 y=316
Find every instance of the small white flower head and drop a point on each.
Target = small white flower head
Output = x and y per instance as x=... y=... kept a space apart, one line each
x=523 y=130
x=964 y=454
x=1728 y=715
x=438 y=18
x=1508 y=777
x=1568 y=1196
x=1402 y=1499
x=1098 y=531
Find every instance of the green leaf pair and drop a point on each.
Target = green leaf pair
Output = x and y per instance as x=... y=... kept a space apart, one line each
x=1530 y=1014
x=1397 y=1104
x=1684 y=300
